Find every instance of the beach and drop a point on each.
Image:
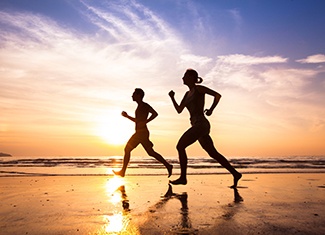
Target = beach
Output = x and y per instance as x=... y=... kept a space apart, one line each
x=292 y=203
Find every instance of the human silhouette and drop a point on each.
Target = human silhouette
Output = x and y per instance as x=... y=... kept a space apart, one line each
x=141 y=135
x=193 y=100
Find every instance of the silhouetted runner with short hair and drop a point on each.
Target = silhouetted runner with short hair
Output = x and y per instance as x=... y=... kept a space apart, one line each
x=141 y=135
x=193 y=100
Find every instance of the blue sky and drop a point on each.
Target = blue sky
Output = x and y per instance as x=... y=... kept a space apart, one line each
x=252 y=26
x=68 y=68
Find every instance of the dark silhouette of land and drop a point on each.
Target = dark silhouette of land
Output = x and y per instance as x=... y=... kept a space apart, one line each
x=5 y=155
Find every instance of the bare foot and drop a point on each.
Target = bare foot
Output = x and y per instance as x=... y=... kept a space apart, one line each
x=178 y=181
x=170 y=170
x=120 y=173
x=236 y=179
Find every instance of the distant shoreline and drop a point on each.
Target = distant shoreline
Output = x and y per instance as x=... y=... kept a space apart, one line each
x=5 y=155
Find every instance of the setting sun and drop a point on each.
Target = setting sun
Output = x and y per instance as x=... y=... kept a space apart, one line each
x=114 y=129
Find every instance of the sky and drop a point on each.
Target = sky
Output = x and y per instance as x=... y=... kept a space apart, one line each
x=68 y=69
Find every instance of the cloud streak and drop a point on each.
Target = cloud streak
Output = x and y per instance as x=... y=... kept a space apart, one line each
x=313 y=59
x=238 y=59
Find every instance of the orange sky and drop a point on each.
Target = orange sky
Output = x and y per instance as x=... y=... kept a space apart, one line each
x=62 y=90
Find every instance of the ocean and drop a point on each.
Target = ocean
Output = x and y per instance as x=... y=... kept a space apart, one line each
x=103 y=165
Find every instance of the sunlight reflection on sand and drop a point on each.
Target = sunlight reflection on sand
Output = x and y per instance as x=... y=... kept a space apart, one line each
x=119 y=220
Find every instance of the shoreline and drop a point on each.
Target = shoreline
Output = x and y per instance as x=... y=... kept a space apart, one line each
x=24 y=174
x=262 y=204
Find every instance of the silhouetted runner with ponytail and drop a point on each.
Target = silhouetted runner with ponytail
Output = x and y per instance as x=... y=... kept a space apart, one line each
x=193 y=100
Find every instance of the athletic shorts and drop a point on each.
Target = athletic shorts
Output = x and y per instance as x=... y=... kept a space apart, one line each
x=199 y=131
x=140 y=137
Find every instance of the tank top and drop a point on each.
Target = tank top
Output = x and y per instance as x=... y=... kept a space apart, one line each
x=195 y=106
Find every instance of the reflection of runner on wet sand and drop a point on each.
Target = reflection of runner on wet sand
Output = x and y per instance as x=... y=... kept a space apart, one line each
x=141 y=135
x=230 y=210
x=185 y=226
x=176 y=218
x=124 y=197
x=237 y=197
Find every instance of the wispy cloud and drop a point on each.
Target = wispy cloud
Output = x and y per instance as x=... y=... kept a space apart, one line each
x=195 y=60
x=132 y=23
x=240 y=70
x=236 y=16
x=240 y=59
x=313 y=59
x=235 y=13
x=275 y=97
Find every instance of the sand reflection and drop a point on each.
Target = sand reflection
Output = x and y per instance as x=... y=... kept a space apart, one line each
x=113 y=184
x=115 y=223
x=119 y=219
x=178 y=219
x=183 y=224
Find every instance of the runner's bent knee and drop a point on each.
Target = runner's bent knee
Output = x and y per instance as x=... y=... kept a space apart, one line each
x=128 y=148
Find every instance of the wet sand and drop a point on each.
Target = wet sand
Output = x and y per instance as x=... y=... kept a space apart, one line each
x=262 y=204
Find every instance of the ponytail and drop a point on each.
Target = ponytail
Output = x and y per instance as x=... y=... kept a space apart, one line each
x=194 y=75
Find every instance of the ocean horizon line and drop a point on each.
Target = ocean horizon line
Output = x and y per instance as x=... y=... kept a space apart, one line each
x=103 y=166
